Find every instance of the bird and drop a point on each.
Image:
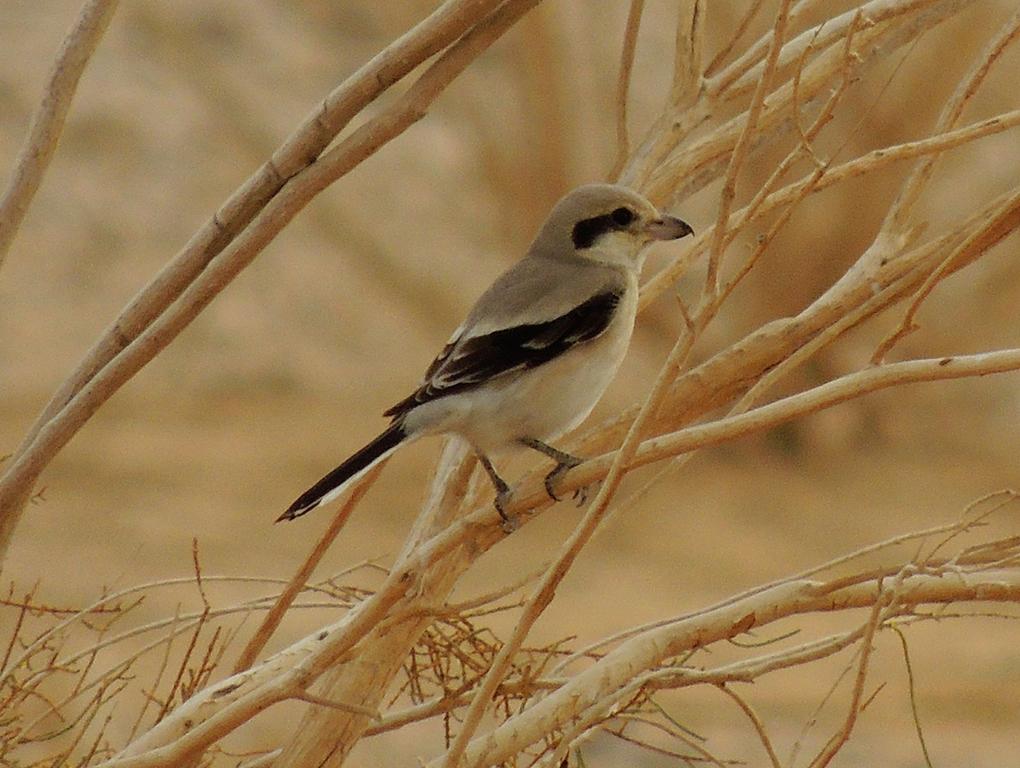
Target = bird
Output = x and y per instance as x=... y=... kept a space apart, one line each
x=538 y=349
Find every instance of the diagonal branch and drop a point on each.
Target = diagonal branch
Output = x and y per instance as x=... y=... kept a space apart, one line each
x=896 y=220
x=199 y=273
x=531 y=494
x=620 y=666
x=740 y=150
x=48 y=121
x=581 y=535
x=623 y=86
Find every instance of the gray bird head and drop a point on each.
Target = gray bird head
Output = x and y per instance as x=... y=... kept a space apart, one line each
x=606 y=223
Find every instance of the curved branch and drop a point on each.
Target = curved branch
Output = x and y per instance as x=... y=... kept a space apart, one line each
x=48 y=121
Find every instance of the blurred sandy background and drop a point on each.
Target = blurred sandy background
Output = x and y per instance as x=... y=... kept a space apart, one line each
x=288 y=371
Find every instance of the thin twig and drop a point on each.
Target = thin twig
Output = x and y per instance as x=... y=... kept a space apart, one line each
x=740 y=150
x=164 y=663
x=198 y=573
x=912 y=691
x=759 y=726
x=272 y=619
x=895 y=223
x=738 y=32
x=840 y=738
x=319 y=701
x=704 y=755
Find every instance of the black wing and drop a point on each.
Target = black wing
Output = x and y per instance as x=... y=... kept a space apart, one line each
x=466 y=364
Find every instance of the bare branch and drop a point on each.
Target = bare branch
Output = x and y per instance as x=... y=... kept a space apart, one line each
x=581 y=535
x=623 y=85
x=840 y=738
x=690 y=42
x=913 y=694
x=198 y=277
x=865 y=164
x=759 y=726
x=896 y=221
x=48 y=121
x=645 y=651
x=411 y=649
x=740 y=150
x=749 y=13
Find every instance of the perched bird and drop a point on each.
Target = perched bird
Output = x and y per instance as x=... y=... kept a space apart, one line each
x=539 y=347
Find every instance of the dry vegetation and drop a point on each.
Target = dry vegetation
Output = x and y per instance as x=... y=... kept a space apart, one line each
x=837 y=185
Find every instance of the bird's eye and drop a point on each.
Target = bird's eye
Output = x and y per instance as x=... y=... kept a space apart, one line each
x=622 y=216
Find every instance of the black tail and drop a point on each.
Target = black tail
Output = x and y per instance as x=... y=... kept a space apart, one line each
x=331 y=484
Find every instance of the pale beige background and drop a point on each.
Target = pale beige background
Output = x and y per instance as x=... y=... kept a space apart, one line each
x=288 y=370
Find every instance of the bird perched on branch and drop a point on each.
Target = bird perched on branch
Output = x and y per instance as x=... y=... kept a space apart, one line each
x=537 y=350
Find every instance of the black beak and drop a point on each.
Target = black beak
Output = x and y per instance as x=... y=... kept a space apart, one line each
x=668 y=228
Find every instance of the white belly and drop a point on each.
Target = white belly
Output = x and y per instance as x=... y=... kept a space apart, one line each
x=542 y=403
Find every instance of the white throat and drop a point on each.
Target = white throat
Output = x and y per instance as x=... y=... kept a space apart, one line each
x=618 y=249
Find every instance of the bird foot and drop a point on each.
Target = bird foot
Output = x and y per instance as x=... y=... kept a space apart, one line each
x=509 y=522
x=562 y=467
x=580 y=495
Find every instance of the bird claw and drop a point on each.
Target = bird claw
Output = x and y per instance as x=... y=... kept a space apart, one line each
x=549 y=480
x=580 y=495
x=509 y=522
x=558 y=472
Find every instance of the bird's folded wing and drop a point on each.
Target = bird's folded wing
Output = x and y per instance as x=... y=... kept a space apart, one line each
x=468 y=361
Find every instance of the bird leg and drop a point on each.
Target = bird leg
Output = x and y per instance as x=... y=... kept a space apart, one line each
x=564 y=463
x=503 y=493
